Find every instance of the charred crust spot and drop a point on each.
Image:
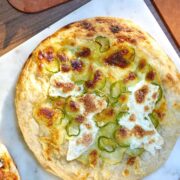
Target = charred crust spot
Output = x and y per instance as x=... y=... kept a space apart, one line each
x=65 y=68
x=114 y=28
x=80 y=119
x=87 y=25
x=46 y=112
x=73 y=106
x=122 y=39
x=150 y=75
x=138 y=131
x=62 y=57
x=131 y=76
x=84 y=52
x=131 y=161
x=77 y=65
x=117 y=59
x=142 y=64
x=97 y=77
x=93 y=157
x=141 y=94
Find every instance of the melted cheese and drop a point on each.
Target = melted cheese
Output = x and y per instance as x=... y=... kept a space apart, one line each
x=60 y=77
x=76 y=145
x=76 y=148
x=149 y=142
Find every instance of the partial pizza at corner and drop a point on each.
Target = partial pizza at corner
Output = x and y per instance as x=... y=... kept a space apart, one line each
x=8 y=170
x=99 y=99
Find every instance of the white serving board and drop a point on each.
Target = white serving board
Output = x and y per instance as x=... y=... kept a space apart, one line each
x=12 y=62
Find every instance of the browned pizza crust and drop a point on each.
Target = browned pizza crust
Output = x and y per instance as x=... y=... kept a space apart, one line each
x=8 y=169
x=32 y=87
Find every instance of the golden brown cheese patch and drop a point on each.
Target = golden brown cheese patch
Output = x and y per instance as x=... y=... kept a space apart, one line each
x=141 y=94
x=116 y=59
x=98 y=75
x=138 y=131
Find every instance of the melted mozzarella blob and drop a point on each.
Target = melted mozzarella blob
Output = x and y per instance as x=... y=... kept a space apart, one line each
x=88 y=129
x=63 y=78
x=149 y=142
x=79 y=144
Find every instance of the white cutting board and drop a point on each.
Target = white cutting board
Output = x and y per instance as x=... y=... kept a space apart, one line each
x=12 y=62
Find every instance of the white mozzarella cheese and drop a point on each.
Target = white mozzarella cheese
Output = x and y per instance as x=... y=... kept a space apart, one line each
x=149 y=142
x=149 y=102
x=81 y=143
x=60 y=77
x=76 y=147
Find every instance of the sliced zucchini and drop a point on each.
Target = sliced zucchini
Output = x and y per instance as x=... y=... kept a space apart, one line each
x=104 y=117
x=83 y=74
x=114 y=157
x=117 y=88
x=108 y=130
x=58 y=102
x=73 y=128
x=120 y=115
x=134 y=152
x=107 y=144
x=103 y=42
x=154 y=119
x=96 y=82
x=127 y=52
x=122 y=137
x=160 y=92
x=52 y=66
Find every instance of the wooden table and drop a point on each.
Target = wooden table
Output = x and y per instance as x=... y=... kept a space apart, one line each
x=16 y=27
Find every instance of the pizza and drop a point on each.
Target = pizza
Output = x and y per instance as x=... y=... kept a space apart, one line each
x=99 y=99
x=8 y=170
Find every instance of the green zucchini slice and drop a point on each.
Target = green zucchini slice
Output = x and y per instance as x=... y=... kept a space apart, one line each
x=114 y=157
x=96 y=82
x=108 y=130
x=107 y=144
x=117 y=88
x=73 y=128
x=154 y=119
x=134 y=152
x=52 y=66
x=103 y=42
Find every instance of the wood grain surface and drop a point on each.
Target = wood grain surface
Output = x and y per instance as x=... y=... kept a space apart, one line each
x=30 y=6
x=170 y=12
x=16 y=26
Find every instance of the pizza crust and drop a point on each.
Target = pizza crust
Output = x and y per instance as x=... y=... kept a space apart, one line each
x=29 y=89
x=7 y=164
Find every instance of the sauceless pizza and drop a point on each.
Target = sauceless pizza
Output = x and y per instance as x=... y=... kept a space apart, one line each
x=99 y=99
x=8 y=170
